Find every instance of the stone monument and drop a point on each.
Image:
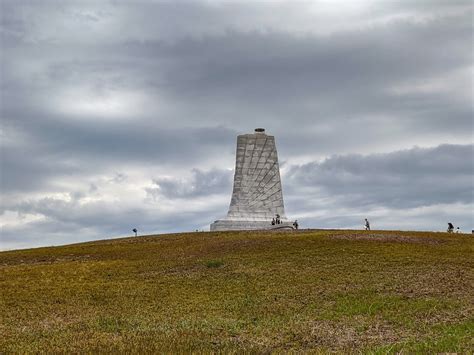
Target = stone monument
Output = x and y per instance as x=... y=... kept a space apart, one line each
x=257 y=196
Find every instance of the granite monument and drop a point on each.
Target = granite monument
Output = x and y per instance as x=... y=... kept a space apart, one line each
x=257 y=197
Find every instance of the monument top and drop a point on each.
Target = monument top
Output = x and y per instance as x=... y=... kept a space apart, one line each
x=259 y=130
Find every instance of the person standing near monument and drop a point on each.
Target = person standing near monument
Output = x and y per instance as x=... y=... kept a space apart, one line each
x=295 y=224
x=367 y=225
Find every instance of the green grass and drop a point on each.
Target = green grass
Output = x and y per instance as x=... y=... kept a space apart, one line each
x=317 y=291
x=214 y=263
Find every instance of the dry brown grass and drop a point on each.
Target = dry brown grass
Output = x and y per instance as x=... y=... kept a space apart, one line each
x=312 y=291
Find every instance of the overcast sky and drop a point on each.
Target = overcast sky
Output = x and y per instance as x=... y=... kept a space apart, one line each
x=124 y=114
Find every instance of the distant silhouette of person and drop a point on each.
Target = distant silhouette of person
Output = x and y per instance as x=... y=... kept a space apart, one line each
x=295 y=224
x=278 y=219
x=458 y=230
x=367 y=225
x=450 y=227
x=273 y=221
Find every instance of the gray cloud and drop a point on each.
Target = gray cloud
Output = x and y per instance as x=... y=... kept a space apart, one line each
x=201 y=183
x=403 y=179
x=78 y=218
x=327 y=84
x=131 y=109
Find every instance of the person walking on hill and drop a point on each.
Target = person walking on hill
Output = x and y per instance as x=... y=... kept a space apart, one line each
x=367 y=225
x=450 y=227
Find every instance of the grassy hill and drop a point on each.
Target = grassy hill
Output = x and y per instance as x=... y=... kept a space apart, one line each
x=242 y=291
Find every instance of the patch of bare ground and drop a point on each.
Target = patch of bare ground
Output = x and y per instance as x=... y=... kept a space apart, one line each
x=381 y=237
x=187 y=270
x=352 y=334
x=48 y=259
x=224 y=247
x=159 y=238
x=456 y=281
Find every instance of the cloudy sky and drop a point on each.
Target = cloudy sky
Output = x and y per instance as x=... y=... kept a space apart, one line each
x=123 y=114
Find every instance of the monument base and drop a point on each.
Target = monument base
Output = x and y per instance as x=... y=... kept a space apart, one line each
x=236 y=225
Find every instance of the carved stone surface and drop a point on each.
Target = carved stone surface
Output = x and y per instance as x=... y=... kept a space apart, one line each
x=257 y=195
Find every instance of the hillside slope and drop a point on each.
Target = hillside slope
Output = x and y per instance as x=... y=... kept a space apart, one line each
x=235 y=291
